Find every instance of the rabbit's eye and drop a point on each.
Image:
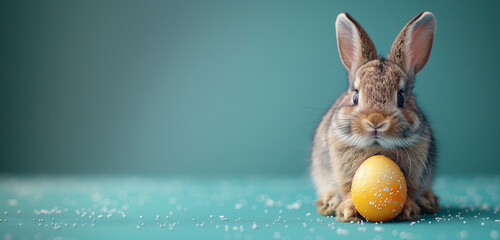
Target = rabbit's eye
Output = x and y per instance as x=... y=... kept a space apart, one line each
x=355 y=97
x=401 y=99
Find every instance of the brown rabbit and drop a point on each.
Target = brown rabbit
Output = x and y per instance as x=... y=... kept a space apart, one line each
x=377 y=115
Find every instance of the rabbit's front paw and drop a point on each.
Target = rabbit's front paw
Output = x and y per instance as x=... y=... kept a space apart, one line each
x=346 y=211
x=327 y=203
x=428 y=202
x=410 y=212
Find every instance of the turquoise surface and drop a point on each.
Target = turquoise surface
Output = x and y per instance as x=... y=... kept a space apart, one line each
x=119 y=207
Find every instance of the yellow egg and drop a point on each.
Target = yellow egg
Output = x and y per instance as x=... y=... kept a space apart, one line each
x=379 y=189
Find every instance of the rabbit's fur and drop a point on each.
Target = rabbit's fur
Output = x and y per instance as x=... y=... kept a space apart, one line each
x=384 y=119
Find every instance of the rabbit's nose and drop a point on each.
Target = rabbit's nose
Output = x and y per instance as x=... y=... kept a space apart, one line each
x=376 y=122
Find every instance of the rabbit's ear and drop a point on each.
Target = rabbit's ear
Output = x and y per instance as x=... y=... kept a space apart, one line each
x=412 y=47
x=355 y=47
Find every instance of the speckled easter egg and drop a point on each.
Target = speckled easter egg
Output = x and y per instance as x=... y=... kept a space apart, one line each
x=379 y=189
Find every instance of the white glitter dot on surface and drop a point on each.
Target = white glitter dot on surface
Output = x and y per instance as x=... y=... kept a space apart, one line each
x=254 y=226
x=341 y=231
x=295 y=205
x=277 y=235
x=7 y=236
x=494 y=234
x=462 y=234
x=12 y=202
x=378 y=229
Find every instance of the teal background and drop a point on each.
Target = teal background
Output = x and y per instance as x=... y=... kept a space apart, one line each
x=222 y=87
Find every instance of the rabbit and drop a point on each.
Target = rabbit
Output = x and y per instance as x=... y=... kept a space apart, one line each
x=377 y=114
